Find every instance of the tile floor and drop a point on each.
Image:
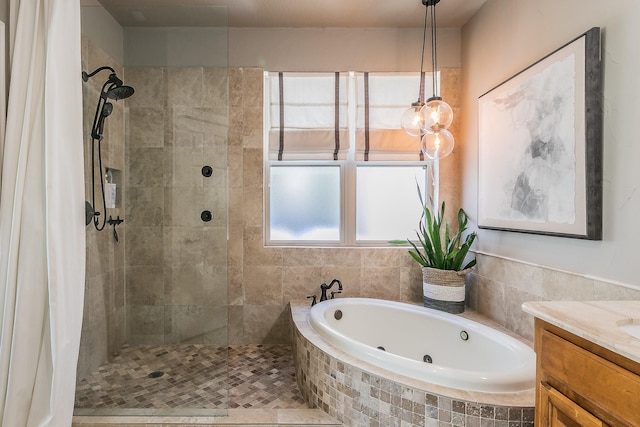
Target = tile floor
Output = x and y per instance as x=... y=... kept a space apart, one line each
x=198 y=387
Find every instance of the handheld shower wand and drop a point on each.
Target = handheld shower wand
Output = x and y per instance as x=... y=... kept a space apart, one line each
x=112 y=89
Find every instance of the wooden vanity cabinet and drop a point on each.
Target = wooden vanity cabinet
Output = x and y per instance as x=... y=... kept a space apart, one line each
x=579 y=383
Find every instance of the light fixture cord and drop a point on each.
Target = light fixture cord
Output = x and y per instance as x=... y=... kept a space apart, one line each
x=434 y=51
x=424 y=38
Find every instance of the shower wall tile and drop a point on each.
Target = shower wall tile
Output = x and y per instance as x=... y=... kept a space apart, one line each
x=183 y=285
x=215 y=125
x=235 y=90
x=215 y=331
x=216 y=200
x=214 y=246
x=186 y=167
x=183 y=246
x=215 y=285
x=148 y=321
x=118 y=291
x=185 y=86
x=235 y=325
x=148 y=83
x=188 y=126
x=184 y=324
x=145 y=126
x=146 y=207
x=145 y=286
x=216 y=87
x=265 y=324
x=216 y=156
x=235 y=293
x=145 y=167
x=183 y=206
x=144 y=246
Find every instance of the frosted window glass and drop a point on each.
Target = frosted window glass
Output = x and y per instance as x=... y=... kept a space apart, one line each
x=305 y=203
x=387 y=202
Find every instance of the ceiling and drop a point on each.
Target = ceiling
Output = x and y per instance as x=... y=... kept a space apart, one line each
x=286 y=13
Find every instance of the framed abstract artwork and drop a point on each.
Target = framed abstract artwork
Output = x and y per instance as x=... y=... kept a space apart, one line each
x=540 y=146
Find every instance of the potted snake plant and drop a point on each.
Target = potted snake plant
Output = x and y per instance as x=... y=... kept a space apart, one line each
x=442 y=252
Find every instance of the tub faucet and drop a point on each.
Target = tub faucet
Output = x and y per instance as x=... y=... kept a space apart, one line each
x=324 y=287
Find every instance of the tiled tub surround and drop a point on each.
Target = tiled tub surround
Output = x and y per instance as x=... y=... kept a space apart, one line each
x=499 y=286
x=357 y=393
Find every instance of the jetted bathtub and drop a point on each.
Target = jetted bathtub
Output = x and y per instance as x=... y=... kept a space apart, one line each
x=426 y=344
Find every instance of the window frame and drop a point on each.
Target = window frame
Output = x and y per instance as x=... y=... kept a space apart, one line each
x=348 y=182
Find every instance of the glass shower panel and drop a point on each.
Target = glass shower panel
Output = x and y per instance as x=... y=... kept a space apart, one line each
x=177 y=199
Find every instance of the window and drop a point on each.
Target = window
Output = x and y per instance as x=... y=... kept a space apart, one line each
x=339 y=170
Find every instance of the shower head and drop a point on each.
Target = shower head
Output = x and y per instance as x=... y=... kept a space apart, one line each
x=107 y=109
x=113 y=87
x=119 y=92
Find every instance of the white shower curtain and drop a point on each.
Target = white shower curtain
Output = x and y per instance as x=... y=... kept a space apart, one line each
x=42 y=241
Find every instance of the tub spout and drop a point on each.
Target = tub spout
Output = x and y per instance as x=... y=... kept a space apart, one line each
x=324 y=287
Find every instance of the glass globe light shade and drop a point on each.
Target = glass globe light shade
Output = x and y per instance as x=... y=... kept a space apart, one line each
x=437 y=145
x=412 y=120
x=437 y=115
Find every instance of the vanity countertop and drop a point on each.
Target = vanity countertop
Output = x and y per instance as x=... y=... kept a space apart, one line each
x=596 y=321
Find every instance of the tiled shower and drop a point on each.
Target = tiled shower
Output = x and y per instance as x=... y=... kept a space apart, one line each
x=176 y=169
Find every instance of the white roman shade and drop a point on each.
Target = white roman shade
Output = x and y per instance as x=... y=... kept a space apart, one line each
x=307 y=116
x=382 y=98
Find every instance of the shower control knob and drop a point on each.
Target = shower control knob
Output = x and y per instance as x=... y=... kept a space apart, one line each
x=206 y=216
x=207 y=171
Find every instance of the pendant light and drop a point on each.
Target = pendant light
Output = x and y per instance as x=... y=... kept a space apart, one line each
x=432 y=119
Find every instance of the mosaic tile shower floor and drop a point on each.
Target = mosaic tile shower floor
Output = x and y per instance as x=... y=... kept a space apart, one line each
x=195 y=377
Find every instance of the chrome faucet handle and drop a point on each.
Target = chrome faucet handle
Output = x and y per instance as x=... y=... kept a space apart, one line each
x=333 y=293
x=313 y=301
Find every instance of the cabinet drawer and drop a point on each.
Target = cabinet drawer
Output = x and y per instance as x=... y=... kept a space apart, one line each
x=605 y=386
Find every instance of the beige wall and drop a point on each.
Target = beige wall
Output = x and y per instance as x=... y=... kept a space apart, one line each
x=339 y=49
x=504 y=37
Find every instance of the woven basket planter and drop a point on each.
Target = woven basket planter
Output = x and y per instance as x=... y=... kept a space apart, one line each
x=444 y=290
